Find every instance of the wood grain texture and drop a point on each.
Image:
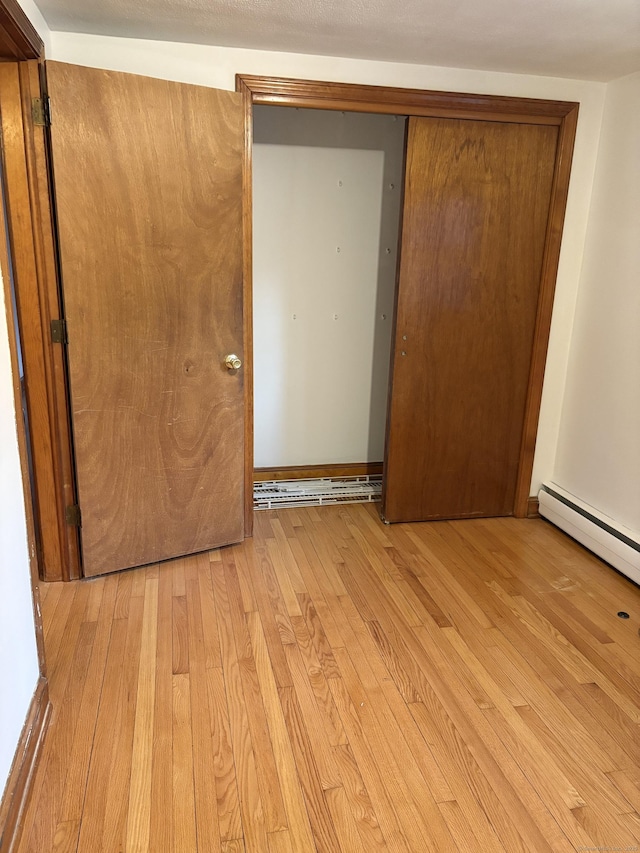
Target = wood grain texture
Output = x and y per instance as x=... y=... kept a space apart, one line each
x=304 y=472
x=315 y=94
x=555 y=222
x=148 y=184
x=18 y=37
x=54 y=356
x=533 y=507
x=476 y=205
x=26 y=260
x=247 y=302
x=498 y=713
x=9 y=90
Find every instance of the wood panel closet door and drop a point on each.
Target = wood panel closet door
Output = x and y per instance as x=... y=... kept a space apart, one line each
x=148 y=188
x=476 y=204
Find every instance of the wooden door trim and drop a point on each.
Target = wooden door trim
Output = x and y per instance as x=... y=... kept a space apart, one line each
x=312 y=94
x=247 y=303
x=62 y=461
x=18 y=36
x=23 y=449
x=285 y=92
x=30 y=227
x=38 y=302
x=551 y=258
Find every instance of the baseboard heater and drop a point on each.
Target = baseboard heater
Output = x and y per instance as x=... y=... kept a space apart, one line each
x=614 y=543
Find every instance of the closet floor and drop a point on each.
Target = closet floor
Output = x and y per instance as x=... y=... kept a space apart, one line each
x=334 y=684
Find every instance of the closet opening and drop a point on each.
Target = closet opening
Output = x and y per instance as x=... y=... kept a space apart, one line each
x=485 y=181
x=327 y=199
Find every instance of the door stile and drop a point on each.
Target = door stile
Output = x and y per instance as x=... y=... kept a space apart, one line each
x=247 y=303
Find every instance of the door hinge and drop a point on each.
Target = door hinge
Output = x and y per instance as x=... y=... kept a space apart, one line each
x=41 y=112
x=72 y=515
x=59 y=331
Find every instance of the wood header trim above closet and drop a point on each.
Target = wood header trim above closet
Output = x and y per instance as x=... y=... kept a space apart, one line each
x=280 y=91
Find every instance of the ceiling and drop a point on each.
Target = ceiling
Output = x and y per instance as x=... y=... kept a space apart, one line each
x=585 y=39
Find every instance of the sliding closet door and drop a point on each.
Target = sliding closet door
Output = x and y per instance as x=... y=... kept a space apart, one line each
x=476 y=203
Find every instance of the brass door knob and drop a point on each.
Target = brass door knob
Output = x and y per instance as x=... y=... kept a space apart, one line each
x=233 y=362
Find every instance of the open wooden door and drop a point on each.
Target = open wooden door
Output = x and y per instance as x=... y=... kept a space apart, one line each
x=148 y=188
x=476 y=207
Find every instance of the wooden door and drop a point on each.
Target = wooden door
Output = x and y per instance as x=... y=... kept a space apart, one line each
x=477 y=197
x=148 y=188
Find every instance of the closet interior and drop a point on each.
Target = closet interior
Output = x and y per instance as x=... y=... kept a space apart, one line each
x=327 y=191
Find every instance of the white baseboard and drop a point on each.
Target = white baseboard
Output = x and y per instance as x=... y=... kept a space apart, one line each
x=615 y=544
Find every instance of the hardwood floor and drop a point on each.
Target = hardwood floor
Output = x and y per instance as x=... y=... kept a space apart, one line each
x=338 y=685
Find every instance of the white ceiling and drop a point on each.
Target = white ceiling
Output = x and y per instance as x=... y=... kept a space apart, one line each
x=586 y=39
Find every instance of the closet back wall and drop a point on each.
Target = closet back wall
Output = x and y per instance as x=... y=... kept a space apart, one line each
x=327 y=193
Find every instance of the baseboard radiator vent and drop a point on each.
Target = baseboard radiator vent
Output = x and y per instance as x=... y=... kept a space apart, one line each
x=617 y=545
x=319 y=491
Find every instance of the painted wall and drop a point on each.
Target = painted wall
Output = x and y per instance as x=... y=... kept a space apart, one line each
x=18 y=654
x=216 y=66
x=598 y=457
x=327 y=190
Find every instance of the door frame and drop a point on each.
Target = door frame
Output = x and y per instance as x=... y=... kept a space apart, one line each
x=20 y=49
x=311 y=94
x=38 y=302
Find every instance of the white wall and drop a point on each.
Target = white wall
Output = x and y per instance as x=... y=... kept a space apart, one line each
x=598 y=457
x=18 y=654
x=216 y=66
x=326 y=206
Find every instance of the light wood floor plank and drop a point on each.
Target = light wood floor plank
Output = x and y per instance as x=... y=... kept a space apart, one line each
x=358 y=799
x=84 y=735
x=258 y=568
x=366 y=763
x=257 y=713
x=344 y=821
x=228 y=804
x=421 y=823
x=49 y=783
x=287 y=776
x=161 y=834
x=92 y=825
x=320 y=819
x=65 y=839
x=139 y=814
x=250 y=802
x=320 y=745
x=184 y=807
x=204 y=782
